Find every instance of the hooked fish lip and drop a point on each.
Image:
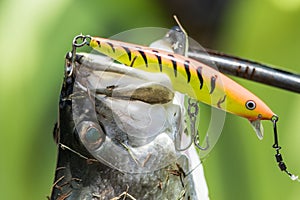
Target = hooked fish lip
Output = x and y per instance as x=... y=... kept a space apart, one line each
x=151 y=93
x=114 y=80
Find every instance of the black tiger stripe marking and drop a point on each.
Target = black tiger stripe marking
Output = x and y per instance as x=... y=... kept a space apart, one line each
x=200 y=77
x=128 y=52
x=111 y=46
x=98 y=42
x=133 y=60
x=158 y=59
x=144 y=57
x=187 y=70
x=174 y=63
x=213 y=83
x=221 y=100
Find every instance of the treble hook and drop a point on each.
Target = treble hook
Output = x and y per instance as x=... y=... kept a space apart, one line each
x=196 y=142
x=278 y=156
x=84 y=40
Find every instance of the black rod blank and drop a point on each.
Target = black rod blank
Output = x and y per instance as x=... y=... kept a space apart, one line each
x=249 y=70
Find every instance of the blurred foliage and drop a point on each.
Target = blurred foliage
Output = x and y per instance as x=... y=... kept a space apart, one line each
x=35 y=36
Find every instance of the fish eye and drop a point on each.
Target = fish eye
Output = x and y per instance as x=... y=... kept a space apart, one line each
x=91 y=135
x=250 y=105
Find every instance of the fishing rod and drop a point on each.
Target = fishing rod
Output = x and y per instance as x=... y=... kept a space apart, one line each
x=249 y=70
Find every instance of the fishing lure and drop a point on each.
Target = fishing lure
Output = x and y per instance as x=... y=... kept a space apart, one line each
x=195 y=79
x=190 y=77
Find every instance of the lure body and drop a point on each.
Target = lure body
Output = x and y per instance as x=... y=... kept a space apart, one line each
x=189 y=77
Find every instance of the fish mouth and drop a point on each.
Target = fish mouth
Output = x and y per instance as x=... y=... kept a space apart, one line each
x=134 y=109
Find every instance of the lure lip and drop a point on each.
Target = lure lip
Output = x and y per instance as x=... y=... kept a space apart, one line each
x=258 y=128
x=257 y=125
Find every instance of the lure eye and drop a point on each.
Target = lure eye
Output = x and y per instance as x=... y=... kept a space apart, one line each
x=250 y=105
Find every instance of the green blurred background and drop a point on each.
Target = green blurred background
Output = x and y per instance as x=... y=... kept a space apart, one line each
x=35 y=36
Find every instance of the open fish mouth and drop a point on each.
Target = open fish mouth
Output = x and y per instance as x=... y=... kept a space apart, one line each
x=125 y=118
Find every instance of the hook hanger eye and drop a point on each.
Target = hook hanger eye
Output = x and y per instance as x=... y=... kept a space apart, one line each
x=78 y=41
x=81 y=40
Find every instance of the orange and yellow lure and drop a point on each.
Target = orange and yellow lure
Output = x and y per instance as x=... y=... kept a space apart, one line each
x=190 y=77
